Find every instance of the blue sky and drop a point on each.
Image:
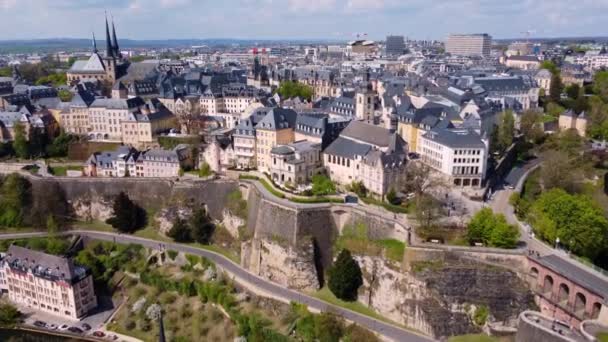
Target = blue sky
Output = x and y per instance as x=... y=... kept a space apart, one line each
x=333 y=19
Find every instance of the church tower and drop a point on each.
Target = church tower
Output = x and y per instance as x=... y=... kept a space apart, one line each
x=115 y=48
x=364 y=102
x=110 y=58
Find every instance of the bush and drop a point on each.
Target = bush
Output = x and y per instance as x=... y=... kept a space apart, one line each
x=205 y=170
x=355 y=333
x=172 y=254
x=322 y=185
x=180 y=232
x=359 y=189
x=345 y=277
x=9 y=316
x=492 y=230
x=481 y=315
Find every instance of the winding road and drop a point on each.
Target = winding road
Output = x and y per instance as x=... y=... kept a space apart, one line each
x=249 y=280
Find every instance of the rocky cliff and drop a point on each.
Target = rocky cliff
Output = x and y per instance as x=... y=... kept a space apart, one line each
x=440 y=298
x=290 y=266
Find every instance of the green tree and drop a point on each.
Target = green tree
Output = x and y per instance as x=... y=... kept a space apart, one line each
x=202 y=226
x=392 y=198
x=15 y=200
x=289 y=89
x=573 y=91
x=205 y=170
x=9 y=316
x=493 y=230
x=128 y=216
x=180 y=232
x=345 y=277
x=549 y=65
x=328 y=327
x=20 y=142
x=530 y=126
x=556 y=88
x=506 y=130
x=59 y=147
x=600 y=85
x=359 y=189
x=322 y=185
x=38 y=143
x=65 y=95
x=575 y=219
x=554 y=109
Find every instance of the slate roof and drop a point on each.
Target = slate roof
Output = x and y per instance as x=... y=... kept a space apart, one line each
x=524 y=58
x=117 y=103
x=347 y=148
x=44 y=265
x=93 y=65
x=370 y=134
x=277 y=119
x=455 y=138
x=502 y=83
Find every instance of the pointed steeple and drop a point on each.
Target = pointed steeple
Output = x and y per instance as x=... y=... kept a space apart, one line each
x=114 y=40
x=109 y=50
x=94 y=44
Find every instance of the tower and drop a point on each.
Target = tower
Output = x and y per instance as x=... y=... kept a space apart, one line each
x=364 y=102
x=94 y=44
x=110 y=58
x=115 y=48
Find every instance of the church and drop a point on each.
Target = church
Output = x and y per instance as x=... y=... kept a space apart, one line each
x=105 y=68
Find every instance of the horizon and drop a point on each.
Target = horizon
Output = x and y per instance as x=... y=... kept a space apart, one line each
x=337 y=20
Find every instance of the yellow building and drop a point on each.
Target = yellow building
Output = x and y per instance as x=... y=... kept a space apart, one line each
x=276 y=128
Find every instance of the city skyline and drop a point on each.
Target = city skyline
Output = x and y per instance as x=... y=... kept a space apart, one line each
x=333 y=19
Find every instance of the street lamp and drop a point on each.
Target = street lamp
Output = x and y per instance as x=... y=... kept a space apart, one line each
x=556 y=242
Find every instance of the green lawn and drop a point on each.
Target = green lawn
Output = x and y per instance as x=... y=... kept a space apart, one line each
x=62 y=171
x=477 y=338
x=602 y=337
x=394 y=248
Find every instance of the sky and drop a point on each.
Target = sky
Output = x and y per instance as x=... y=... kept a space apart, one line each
x=302 y=19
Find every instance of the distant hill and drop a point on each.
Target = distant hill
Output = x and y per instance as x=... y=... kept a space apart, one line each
x=71 y=44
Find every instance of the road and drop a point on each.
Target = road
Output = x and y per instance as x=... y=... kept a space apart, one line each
x=248 y=279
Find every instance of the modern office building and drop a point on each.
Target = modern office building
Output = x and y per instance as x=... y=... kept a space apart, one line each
x=469 y=44
x=395 y=45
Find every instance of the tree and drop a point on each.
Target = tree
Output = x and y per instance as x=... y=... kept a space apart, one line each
x=9 y=316
x=128 y=216
x=556 y=88
x=505 y=131
x=20 y=142
x=345 y=277
x=359 y=189
x=427 y=210
x=202 y=227
x=356 y=333
x=291 y=89
x=180 y=232
x=322 y=185
x=38 y=143
x=576 y=220
x=554 y=109
x=530 y=125
x=205 y=170
x=573 y=91
x=492 y=230
x=557 y=171
x=59 y=146
x=392 y=198
x=65 y=95
x=597 y=118
x=600 y=85
x=328 y=327
x=419 y=178
x=15 y=200
x=549 y=65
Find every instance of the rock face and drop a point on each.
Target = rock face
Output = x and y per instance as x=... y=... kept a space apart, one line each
x=93 y=209
x=232 y=223
x=440 y=300
x=167 y=216
x=293 y=267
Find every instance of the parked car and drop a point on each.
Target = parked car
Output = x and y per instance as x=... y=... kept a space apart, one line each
x=86 y=327
x=40 y=324
x=64 y=327
x=75 y=330
x=99 y=334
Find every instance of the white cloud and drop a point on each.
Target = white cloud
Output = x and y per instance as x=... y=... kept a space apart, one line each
x=311 y=6
x=7 y=4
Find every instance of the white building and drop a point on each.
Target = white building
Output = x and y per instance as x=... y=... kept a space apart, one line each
x=459 y=154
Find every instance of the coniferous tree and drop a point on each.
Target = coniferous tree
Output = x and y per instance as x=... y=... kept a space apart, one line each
x=128 y=216
x=180 y=232
x=202 y=227
x=345 y=277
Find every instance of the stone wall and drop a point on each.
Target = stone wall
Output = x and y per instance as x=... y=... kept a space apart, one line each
x=96 y=194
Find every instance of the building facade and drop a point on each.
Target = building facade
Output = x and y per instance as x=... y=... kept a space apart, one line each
x=47 y=283
x=469 y=44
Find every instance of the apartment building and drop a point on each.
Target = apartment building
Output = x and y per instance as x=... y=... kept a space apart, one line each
x=276 y=128
x=469 y=44
x=220 y=153
x=47 y=283
x=460 y=154
x=295 y=163
x=368 y=154
x=244 y=139
x=129 y=162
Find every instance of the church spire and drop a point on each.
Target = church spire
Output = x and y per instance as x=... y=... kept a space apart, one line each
x=94 y=44
x=114 y=40
x=109 y=51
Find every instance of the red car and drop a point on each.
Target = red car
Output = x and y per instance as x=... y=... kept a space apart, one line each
x=99 y=334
